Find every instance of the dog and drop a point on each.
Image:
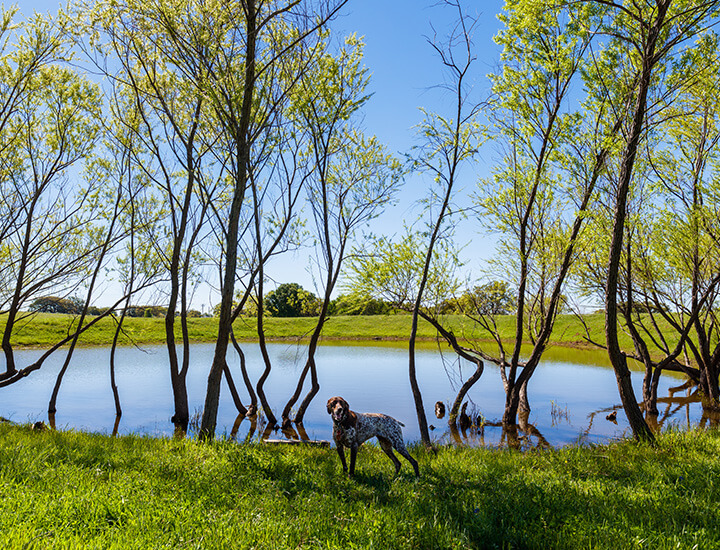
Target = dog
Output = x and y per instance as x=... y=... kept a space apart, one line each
x=351 y=429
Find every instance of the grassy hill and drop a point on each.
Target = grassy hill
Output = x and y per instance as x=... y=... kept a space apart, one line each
x=44 y=329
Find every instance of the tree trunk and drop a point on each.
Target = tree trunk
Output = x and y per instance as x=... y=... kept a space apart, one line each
x=113 y=349
x=285 y=416
x=233 y=391
x=512 y=402
x=651 y=406
x=272 y=421
x=639 y=427
x=181 y=417
x=469 y=383
x=417 y=394
x=314 y=389
x=212 y=397
x=246 y=378
x=524 y=403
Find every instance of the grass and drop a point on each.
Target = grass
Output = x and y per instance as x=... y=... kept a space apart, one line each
x=74 y=490
x=46 y=329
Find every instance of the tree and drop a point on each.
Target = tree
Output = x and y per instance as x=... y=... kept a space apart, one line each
x=354 y=304
x=352 y=179
x=61 y=230
x=173 y=134
x=249 y=39
x=291 y=300
x=447 y=143
x=56 y=304
x=667 y=272
x=541 y=193
x=679 y=268
x=136 y=267
x=493 y=298
x=48 y=131
x=643 y=37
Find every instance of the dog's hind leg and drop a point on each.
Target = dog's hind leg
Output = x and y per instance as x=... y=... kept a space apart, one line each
x=403 y=451
x=387 y=447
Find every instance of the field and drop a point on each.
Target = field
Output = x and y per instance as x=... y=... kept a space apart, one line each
x=74 y=490
x=44 y=329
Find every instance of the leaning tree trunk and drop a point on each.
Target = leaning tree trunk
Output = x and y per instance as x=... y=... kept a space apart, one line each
x=233 y=390
x=212 y=396
x=469 y=383
x=639 y=427
x=310 y=365
x=113 y=350
x=314 y=389
x=285 y=415
x=417 y=394
x=246 y=378
x=618 y=359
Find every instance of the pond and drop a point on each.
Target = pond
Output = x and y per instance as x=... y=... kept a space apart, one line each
x=571 y=393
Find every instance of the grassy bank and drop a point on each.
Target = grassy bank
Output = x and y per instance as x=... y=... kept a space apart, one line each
x=44 y=329
x=71 y=490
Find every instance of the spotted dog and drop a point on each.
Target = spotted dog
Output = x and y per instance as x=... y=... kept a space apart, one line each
x=351 y=429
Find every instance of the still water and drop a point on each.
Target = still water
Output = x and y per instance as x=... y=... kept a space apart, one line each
x=570 y=394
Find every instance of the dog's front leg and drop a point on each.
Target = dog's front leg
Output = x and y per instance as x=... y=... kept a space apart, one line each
x=341 y=454
x=353 y=455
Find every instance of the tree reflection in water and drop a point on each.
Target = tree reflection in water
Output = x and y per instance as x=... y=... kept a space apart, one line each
x=675 y=405
x=471 y=431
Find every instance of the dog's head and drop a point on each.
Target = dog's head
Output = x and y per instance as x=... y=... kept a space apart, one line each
x=338 y=409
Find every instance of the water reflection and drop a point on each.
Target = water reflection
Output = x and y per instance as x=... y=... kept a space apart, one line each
x=471 y=430
x=678 y=410
x=236 y=427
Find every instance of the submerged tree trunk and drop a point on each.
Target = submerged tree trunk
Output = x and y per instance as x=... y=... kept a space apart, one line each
x=467 y=385
x=246 y=378
x=618 y=359
x=242 y=144
x=233 y=391
x=113 y=350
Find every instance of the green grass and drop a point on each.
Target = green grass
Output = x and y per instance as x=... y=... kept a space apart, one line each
x=73 y=490
x=46 y=329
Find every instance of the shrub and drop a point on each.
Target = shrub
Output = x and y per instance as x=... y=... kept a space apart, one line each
x=291 y=300
x=354 y=304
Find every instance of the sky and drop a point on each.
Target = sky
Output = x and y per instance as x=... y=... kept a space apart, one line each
x=405 y=74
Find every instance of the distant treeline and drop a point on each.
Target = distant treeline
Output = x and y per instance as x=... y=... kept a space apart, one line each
x=74 y=306
x=292 y=300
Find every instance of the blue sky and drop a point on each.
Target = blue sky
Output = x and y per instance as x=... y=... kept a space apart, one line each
x=404 y=66
x=405 y=74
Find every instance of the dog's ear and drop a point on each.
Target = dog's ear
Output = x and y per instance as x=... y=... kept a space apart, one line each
x=330 y=404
